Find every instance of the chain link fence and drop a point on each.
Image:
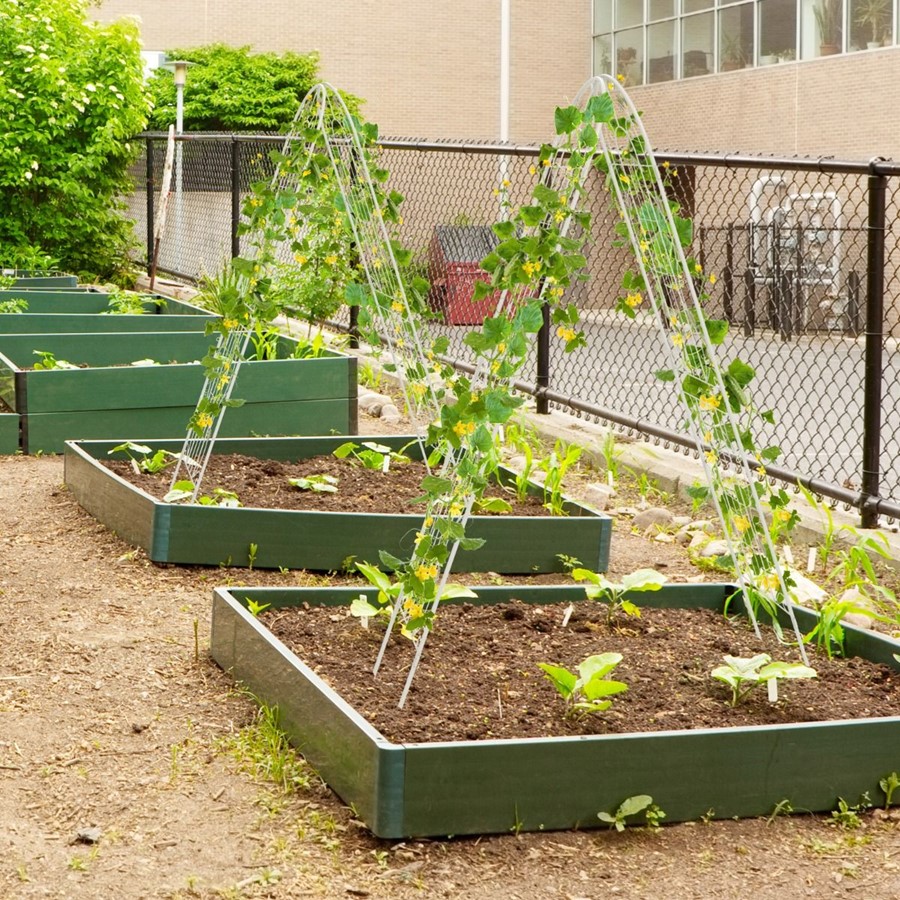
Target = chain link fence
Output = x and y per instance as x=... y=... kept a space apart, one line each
x=803 y=254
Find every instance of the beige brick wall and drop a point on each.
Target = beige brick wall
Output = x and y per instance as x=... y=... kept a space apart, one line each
x=426 y=69
x=843 y=106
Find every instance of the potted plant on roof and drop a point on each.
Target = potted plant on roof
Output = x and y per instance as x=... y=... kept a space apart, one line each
x=829 y=14
x=873 y=14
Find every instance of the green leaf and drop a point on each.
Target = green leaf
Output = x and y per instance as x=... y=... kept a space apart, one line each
x=644 y=580
x=532 y=216
x=742 y=374
x=504 y=230
x=633 y=805
x=567 y=119
x=588 y=136
x=664 y=374
x=563 y=680
x=362 y=609
x=599 y=108
x=436 y=486
x=717 y=329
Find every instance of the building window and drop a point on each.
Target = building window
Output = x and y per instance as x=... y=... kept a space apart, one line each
x=652 y=41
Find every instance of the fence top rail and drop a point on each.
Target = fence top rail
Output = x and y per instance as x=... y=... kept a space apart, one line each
x=824 y=164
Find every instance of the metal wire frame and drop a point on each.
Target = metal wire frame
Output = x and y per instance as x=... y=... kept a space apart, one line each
x=827 y=380
x=641 y=199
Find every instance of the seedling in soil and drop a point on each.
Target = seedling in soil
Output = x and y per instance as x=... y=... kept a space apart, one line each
x=319 y=484
x=586 y=692
x=388 y=592
x=614 y=594
x=828 y=635
x=555 y=467
x=125 y=303
x=889 y=784
x=151 y=464
x=49 y=361
x=184 y=490
x=743 y=674
x=632 y=806
x=847 y=816
x=255 y=608
x=377 y=457
x=611 y=454
x=252 y=551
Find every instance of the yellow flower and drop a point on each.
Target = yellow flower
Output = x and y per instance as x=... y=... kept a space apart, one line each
x=204 y=421
x=624 y=178
x=506 y=182
x=677 y=340
x=331 y=259
x=713 y=278
x=455 y=509
x=707 y=437
x=711 y=457
x=769 y=581
x=495 y=366
x=223 y=380
x=645 y=246
x=463 y=428
x=698 y=268
x=532 y=170
x=397 y=306
x=496 y=192
x=741 y=523
x=306 y=173
x=501 y=347
x=634 y=300
x=783 y=515
x=423 y=572
x=418 y=390
x=558 y=216
x=420 y=536
x=620 y=78
x=299 y=258
x=545 y=162
x=413 y=609
x=761 y=471
x=429 y=521
x=567 y=334
x=709 y=402
x=666 y=164
x=474 y=397
x=230 y=323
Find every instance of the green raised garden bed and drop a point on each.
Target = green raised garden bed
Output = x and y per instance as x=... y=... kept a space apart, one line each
x=496 y=786
x=9 y=432
x=54 y=316
x=114 y=399
x=311 y=539
x=38 y=298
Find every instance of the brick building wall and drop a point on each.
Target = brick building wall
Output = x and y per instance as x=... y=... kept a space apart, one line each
x=428 y=70
x=843 y=106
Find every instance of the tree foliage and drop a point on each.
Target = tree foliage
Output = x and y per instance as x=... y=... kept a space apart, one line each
x=71 y=97
x=232 y=89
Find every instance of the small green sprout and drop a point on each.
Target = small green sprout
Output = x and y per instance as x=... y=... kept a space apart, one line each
x=319 y=484
x=150 y=462
x=370 y=454
x=587 y=691
x=48 y=361
x=632 y=806
x=889 y=784
x=255 y=608
x=614 y=594
x=743 y=674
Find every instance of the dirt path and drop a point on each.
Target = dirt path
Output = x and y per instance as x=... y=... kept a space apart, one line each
x=108 y=721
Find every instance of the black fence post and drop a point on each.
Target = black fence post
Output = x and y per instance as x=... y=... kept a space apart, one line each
x=749 y=303
x=542 y=379
x=728 y=276
x=871 y=450
x=235 y=196
x=151 y=224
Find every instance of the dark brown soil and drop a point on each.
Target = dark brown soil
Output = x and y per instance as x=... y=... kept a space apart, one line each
x=479 y=678
x=264 y=483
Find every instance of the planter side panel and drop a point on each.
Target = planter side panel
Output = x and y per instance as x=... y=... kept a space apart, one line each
x=555 y=784
x=334 y=740
x=9 y=433
x=74 y=301
x=48 y=432
x=128 y=513
x=83 y=323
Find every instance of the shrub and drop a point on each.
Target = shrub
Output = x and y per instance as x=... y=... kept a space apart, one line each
x=232 y=89
x=71 y=97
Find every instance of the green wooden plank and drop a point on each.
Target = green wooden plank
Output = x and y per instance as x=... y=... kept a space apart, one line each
x=75 y=300
x=48 y=432
x=46 y=281
x=82 y=323
x=97 y=350
x=145 y=387
x=9 y=433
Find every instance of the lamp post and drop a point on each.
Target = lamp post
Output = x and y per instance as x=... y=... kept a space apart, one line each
x=180 y=69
